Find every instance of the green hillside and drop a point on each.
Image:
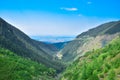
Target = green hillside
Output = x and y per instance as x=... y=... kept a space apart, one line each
x=100 y=64
x=13 y=67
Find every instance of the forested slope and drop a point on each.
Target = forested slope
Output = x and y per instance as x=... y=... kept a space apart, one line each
x=100 y=64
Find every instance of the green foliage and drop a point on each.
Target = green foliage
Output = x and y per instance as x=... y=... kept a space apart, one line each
x=13 y=67
x=111 y=75
x=98 y=64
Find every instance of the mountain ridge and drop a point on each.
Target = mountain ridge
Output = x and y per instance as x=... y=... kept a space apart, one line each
x=15 y=40
x=101 y=29
x=92 y=39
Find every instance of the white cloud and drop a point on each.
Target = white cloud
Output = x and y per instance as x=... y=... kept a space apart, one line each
x=69 y=9
x=89 y=2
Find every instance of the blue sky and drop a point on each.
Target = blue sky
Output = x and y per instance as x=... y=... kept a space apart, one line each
x=58 y=17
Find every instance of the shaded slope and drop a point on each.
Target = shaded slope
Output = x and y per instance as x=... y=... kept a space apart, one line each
x=13 y=39
x=60 y=45
x=48 y=48
x=100 y=64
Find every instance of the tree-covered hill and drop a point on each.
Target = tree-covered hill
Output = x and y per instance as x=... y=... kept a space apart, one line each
x=100 y=64
x=14 y=67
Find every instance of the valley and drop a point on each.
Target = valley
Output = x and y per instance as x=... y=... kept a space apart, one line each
x=92 y=55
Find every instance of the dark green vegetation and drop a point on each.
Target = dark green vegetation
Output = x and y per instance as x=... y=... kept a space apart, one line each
x=13 y=39
x=60 y=45
x=100 y=64
x=13 y=67
x=92 y=39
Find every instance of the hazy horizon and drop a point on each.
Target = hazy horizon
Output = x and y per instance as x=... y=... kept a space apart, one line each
x=53 y=39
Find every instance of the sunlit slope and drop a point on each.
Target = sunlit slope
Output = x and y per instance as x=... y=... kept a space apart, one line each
x=13 y=67
x=100 y=64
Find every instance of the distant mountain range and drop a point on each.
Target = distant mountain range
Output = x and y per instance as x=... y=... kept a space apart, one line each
x=53 y=39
